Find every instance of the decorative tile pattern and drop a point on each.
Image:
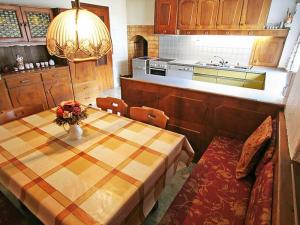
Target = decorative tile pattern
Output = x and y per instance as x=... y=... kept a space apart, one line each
x=105 y=177
x=38 y=23
x=9 y=25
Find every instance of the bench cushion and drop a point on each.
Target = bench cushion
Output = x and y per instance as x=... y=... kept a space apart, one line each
x=212 y=194
x=260 y=206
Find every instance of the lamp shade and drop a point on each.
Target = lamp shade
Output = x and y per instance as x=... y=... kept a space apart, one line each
x=78 y=35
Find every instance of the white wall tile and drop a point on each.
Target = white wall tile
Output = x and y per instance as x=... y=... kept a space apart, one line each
x=234 y=49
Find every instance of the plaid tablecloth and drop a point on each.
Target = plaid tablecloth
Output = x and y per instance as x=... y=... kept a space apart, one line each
x=113 y=175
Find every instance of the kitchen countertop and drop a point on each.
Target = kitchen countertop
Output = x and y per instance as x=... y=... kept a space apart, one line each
x=276 y=81
x=254 y=69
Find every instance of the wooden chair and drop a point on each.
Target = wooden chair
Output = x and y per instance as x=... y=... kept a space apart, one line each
x=115 y=105
x=150 y=116
x=20 y=112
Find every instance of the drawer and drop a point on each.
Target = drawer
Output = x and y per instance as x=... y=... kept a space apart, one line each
x=231 y=74
x=256 y=76
x=54 y=74
x=210 y=79
x=260 y=85
x=231 y=82
x=206 y=71
x=22 y=80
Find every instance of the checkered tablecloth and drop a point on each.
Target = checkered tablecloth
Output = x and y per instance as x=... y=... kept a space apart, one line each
x=113 y=175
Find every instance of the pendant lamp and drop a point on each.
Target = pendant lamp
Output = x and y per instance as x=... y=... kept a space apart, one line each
x=78 y=35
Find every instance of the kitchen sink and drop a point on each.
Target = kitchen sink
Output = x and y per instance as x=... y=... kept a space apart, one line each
x=226 y=66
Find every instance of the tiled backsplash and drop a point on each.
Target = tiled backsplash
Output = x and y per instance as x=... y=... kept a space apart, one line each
x=234 y=49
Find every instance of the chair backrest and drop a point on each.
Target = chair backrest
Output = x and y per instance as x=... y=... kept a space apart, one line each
x=20 y=112
x=116 y=105
x=149 y=115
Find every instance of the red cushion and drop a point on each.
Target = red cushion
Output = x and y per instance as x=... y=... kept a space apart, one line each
x=212 y=194
x=260 y=205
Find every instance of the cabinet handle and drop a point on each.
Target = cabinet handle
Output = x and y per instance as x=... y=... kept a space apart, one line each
x=164 y=31
x=227 y=32
x=24 y=81
x=206 y=32
x=188 y=32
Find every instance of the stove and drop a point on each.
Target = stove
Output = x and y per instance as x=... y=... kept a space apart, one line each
x=159 y=66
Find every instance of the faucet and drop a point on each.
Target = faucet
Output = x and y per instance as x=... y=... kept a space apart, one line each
x=222 y=61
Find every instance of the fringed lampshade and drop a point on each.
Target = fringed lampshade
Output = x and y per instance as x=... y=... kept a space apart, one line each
x=78 y=35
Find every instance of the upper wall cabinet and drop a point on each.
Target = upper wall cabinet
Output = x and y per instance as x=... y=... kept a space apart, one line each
x=219 y=14
x=187 y=14
x=229 y=15
x=36 y=22
x=255 y=14
x=12 y=28
x=165 y=16
x=23 y=24
x=207 y=12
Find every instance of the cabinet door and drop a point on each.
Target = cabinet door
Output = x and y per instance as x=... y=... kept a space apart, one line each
x=229 y=15
x=58 y=91
x=207 y=12
x=165 y=16
x=28 y=95
x=255 y=14
x=36 y=22
x=5 y=103
x=11 y=24
x=187 y=13
x=267 y=51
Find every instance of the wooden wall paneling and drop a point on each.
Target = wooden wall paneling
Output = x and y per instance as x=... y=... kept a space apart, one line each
x=267 y=51
x=198 y=114
x=5 y=102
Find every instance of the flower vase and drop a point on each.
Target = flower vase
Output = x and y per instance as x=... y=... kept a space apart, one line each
x=75 y=132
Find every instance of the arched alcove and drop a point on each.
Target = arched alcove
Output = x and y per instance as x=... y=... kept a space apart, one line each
x=140 y=46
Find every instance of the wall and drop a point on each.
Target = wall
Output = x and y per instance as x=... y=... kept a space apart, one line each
x=235 y=49
x=118 y=25
x=291 y=38
x=279 y=9
x=140 y=12
x=292 y=113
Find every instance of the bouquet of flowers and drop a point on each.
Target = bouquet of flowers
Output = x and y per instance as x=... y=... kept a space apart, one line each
x=70 y=112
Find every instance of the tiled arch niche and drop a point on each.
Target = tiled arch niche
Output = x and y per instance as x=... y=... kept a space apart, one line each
x=141 y=42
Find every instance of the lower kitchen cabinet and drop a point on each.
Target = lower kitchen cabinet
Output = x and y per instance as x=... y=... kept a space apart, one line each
x=28 y=95
x=204 y=78
x=5 y=103
x=231 y=82
x=58 y=91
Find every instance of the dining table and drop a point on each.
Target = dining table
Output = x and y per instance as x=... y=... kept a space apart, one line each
x=113 y=175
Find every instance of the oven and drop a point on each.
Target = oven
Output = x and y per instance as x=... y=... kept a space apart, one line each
x=158 y=71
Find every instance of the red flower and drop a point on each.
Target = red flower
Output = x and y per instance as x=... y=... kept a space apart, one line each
x=76 y=110
x=60 y=111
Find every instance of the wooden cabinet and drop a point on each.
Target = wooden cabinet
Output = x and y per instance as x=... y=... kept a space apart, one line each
x=165 y=16
x=58 y=86
x=207 y=12
x=48 y=87
x=36 y=22
x=26 y=93
x=267 y=51
x=23 y=24
x=229 y=15
x=11 y=23
x=255 y=14
x=86 y=93
x=5 y=103
x=221 y=15
x=187 y=14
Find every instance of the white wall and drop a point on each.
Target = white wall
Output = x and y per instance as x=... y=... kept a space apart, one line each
x=140 y=12
x=292 y=113
x=118 y=26
x=291 y=38
x=279 y=9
